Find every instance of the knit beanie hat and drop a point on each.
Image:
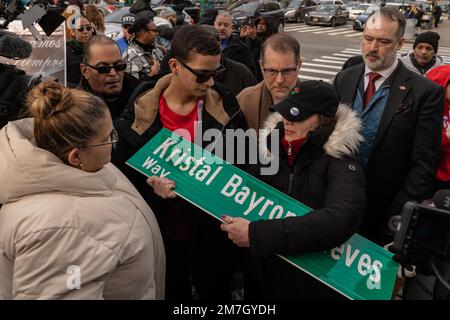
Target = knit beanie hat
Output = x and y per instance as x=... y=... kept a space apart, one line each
x=167 y=12
x=429 y=37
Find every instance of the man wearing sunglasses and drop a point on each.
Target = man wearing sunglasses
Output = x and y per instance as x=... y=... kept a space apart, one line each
x=104 y=74
x=280 y=62
x=190 y=101
x=143 y=55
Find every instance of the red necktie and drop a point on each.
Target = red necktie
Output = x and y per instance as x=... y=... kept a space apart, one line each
x=370 y=91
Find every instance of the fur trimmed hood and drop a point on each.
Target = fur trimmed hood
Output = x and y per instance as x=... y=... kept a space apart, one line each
x=343 y=141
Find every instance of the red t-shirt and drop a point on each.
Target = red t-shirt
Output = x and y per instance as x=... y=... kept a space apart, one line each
x=183 y=125
x=175 y=222
x=292 y=148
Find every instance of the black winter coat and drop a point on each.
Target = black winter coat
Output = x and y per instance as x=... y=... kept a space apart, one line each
x=74 y=57
x=326 y=177
x=255 y=51
x=143 y=9
x=236 y=77
x=240 y=52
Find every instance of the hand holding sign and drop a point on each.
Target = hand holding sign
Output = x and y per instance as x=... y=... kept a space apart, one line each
x=162 y=187
x=237 y=229
x=358 y=269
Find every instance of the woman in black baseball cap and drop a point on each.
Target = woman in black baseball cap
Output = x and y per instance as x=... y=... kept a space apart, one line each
x=317 y=166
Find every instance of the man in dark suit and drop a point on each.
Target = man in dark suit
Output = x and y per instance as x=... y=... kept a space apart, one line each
x=402 y=124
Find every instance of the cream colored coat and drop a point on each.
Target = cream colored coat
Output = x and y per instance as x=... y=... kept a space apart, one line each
x=70 y=234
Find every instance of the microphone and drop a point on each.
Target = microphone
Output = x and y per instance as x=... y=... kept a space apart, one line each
x=13 y=47
x=441 y=199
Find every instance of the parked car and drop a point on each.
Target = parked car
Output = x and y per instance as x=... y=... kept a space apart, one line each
x=350 y=5
x=336 y=2
x=221 y=4
x=327 y=14
x=190 y=6
x=357 y=10
x=400 y=5
x=360 y=21
x=296 y=10
x=246 y=11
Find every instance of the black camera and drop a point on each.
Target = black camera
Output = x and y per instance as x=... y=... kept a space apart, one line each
x=31 y=12
x=424 y=234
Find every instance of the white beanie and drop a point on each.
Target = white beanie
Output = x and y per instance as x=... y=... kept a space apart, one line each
x=167 y=13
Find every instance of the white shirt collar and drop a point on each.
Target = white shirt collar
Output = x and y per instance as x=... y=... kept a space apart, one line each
x=384 y=74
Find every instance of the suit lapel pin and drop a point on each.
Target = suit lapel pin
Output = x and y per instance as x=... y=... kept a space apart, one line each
x=402 y=88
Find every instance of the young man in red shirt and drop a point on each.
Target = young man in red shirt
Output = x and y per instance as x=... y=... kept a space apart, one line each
x=195 y=247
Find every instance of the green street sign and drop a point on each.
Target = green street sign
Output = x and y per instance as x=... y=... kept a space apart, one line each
x=358 y=269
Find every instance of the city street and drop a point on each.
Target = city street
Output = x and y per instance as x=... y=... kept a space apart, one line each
x=325 y=49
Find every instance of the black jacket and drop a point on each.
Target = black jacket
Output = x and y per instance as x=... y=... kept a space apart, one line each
x=116 y=105
x=255 y=51
x=209 y=16
x=142 y=9
x=327 y=177
x=236 y=76
x=74 y=56
x=406 y=151
x=240 y=52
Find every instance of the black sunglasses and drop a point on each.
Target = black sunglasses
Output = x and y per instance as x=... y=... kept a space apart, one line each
x=87 y=28
x=107 y=69
x=203 y=76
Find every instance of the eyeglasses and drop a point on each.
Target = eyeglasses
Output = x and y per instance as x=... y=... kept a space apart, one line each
x=107 y=69
x=203 y=76
x=272 y=73
x=87 y=28
x=114 y=138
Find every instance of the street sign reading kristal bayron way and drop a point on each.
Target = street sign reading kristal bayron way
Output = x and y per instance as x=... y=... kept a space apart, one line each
x=358 y=269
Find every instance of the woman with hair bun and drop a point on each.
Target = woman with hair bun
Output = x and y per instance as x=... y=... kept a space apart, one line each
x=72 y=226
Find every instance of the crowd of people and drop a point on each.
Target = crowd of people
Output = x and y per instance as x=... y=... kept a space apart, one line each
x=355 y=150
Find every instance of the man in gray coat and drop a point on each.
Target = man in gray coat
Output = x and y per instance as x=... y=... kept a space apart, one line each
x=424 y=56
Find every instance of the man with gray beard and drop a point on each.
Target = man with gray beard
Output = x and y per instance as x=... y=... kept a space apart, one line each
x=402 y=124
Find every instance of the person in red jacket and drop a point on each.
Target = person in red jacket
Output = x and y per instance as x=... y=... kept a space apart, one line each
x=441 y=76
